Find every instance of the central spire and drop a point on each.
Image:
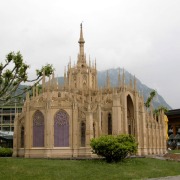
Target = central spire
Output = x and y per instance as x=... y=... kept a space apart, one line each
x=81 y=56
x=81 y=39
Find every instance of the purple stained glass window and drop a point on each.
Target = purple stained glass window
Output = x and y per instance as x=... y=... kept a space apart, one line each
x=61 y=129
x=38 y=129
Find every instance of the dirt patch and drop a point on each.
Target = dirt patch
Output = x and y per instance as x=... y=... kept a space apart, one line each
x=172 y=156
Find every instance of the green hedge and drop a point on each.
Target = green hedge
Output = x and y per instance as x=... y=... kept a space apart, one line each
x=114 y=148
x=6 y=152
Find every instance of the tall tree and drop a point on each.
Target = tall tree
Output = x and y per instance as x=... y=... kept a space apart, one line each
x=13 y=72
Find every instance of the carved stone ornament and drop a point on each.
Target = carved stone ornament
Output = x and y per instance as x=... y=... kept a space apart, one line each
x=81 y=114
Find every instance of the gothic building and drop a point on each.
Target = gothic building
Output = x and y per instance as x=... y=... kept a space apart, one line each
x=61 y=120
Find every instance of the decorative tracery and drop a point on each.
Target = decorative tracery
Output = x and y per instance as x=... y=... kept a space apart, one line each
x=61 y=118
x=38 y=118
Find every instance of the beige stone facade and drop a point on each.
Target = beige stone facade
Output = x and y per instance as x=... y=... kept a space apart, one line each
x=61 y=120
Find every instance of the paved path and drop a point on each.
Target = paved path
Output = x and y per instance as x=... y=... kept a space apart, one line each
x=163 y=178
x=166 y=178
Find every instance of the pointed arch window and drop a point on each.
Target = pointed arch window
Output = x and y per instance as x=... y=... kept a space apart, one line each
x=61 y=129
x=83 y=134
x=130 y=116
x=109 y=124
x=38 y=129
x=94 y=130
x=22 y=136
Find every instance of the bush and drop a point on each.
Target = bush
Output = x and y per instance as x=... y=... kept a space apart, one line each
x=6 y=152
x=114 y=148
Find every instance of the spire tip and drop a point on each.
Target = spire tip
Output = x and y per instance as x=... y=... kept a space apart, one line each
x=81 y=24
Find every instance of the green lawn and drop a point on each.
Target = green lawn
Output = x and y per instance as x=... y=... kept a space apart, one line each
x=135 y=168
x=174 y=151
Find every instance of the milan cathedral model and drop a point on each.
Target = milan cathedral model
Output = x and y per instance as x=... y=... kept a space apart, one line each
x=60 y=121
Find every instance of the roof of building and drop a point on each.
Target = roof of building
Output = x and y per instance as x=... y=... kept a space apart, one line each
x=6 y=135
x=173 y=112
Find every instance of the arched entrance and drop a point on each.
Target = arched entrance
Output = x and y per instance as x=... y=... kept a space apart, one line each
x=130 y=116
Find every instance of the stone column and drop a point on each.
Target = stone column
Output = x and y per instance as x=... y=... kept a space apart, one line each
x=99 y=119
x=89 y=129
x=124 y=111
x=150 y=137
x=164 y=131
x=156 y=138
x=116 y=116
x=48 y=143
x=27 y=131
x=144 y=132
x=136 y=120
x=75 y=133
x=160 y=138
x=15 y=138
x=153 y=137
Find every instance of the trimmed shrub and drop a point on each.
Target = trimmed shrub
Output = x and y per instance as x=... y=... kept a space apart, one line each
x=6 y=152
x=114 y=148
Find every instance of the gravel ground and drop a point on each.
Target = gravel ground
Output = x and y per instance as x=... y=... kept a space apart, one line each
x=172 y=156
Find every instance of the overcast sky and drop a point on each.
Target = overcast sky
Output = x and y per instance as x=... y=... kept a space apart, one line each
x=143 y=36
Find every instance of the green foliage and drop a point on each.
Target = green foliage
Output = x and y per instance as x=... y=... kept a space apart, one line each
x=48 y=70
x=13 y=72
x=6 y=152
x=150 y=98
x=156 y=111
x=176 y=151
x=114 y=148
x=165 y=109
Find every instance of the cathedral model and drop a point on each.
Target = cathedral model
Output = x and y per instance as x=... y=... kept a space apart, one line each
x=60 y=121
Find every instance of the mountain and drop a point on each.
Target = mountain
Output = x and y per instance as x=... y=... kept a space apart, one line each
x=142 y=88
